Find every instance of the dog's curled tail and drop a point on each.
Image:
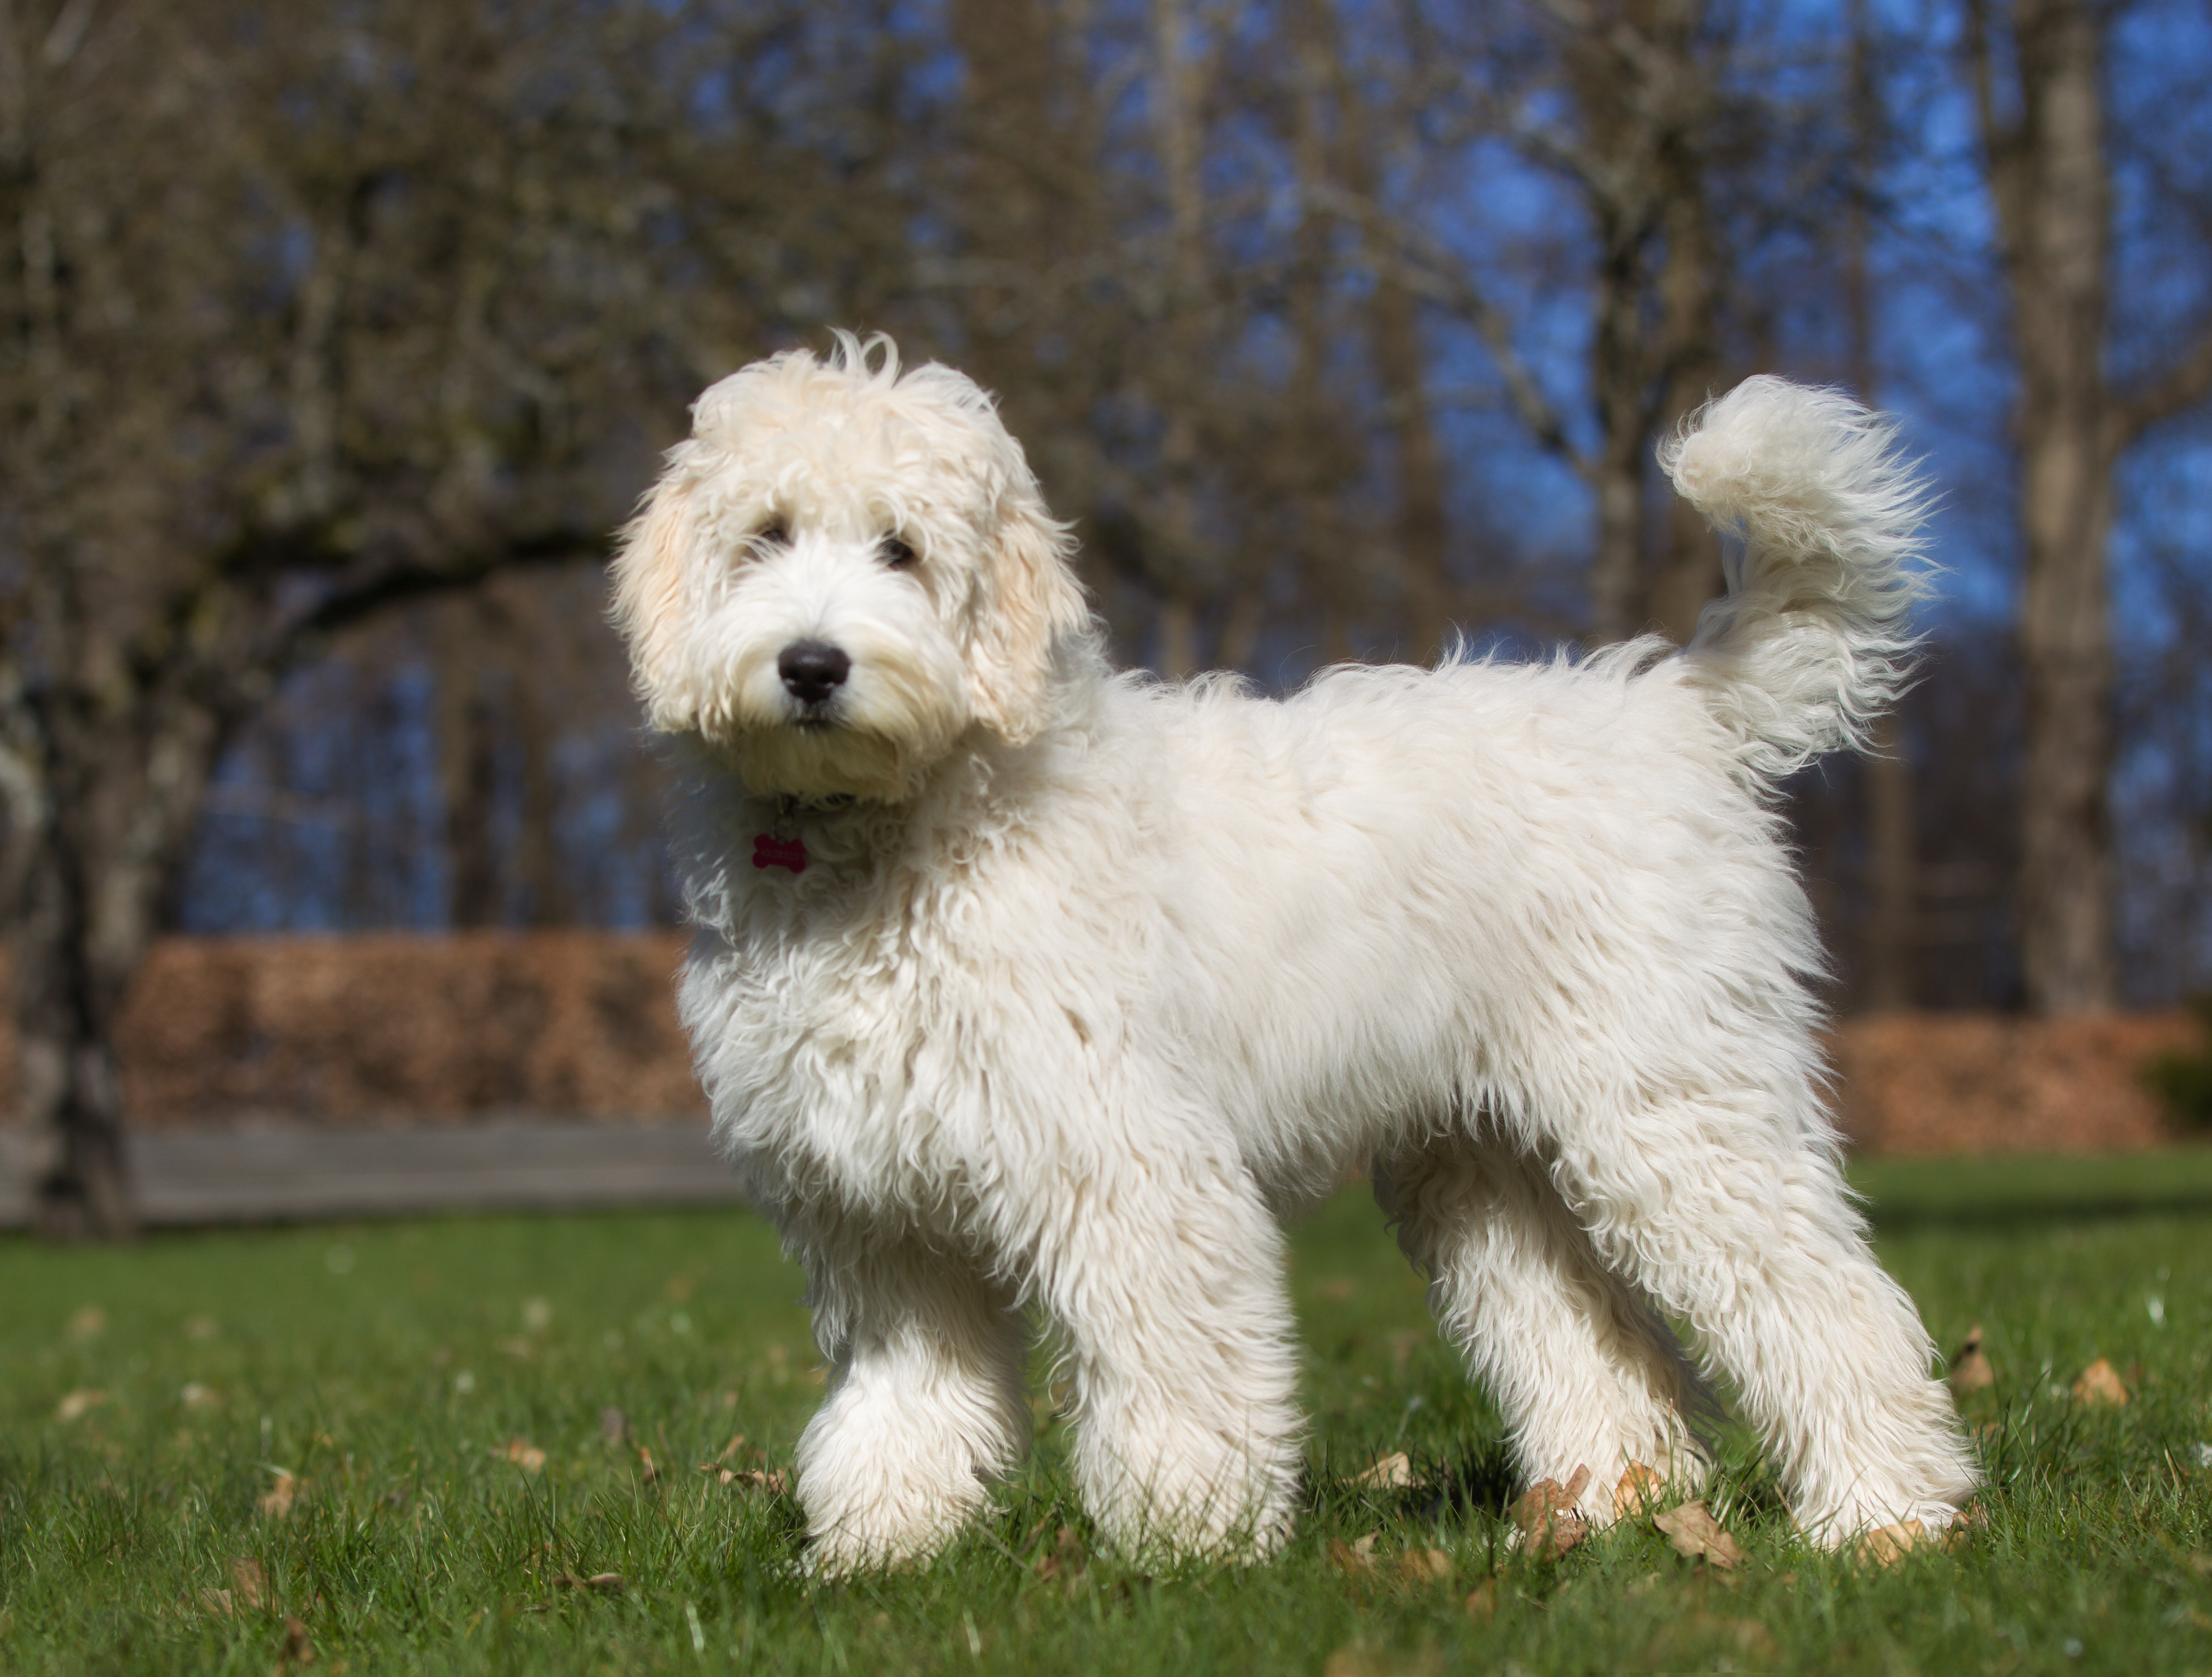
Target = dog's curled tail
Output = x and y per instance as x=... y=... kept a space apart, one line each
x=1813 y=640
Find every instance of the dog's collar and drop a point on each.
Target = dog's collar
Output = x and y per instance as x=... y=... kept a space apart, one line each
x=782 y=845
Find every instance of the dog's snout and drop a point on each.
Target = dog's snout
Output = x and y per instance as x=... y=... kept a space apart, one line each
x=812 y=669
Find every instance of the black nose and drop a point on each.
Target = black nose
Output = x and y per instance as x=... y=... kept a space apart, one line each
x=812 y=669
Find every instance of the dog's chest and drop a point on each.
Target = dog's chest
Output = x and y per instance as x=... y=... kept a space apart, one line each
x=847 y=1047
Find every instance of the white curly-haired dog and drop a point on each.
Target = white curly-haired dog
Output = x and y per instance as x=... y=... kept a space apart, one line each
x=1020 y=983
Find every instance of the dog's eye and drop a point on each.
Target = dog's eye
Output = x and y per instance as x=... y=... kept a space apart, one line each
x=899 y=553
x=777 y=534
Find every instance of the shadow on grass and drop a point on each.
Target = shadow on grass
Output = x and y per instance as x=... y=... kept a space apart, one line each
x=2026 y=1213
x=2019 y=1193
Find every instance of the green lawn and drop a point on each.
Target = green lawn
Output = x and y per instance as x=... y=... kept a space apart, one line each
x=407 y=1375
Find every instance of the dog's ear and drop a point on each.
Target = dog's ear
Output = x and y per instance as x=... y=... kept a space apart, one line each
x=649 y=600
x=1027 y=599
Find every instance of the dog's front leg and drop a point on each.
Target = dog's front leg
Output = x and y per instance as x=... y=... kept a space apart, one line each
x=926 y=1401
x=1167 y=1273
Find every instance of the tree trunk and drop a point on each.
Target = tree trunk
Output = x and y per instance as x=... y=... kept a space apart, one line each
x=1894 y=916
x=1616 y=470
x=117 y=786
x=1688 y=572
x=2051 y=181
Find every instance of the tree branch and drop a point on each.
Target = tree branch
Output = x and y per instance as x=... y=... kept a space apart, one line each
x=2184 y=385
x=394 y=585
x=1441 y=283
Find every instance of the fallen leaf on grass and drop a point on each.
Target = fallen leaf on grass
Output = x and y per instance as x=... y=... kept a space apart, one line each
x=525 y=1455
x=276 y=1502
x=736 y=1444
x=646 y=1470
x=78 y=1403
x=599 y=1583
x=1960 y=1532
x=1423 y=1567
x=2099 y=1386
x=1885 y=1546
x=1391 y=1473
x=1357 y=1557
x=755 y=1479
x=88 y=1323
x=214 y=1601
x=1639 y=1489
x=1692 y=1531
x=1064 y=1561
x=1748 y=1636
x=1482 y=1600
x=249 y=1584
x=1549 y=1527
x=1369 y=1662
x=297 y=1649
x=1971 y=1370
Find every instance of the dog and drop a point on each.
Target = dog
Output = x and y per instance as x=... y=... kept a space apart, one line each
x=1019 y=984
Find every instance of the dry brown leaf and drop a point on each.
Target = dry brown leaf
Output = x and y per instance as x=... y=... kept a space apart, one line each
x=1639 y=1489
x=1357 y=1557
x=297 y=1649
x=1390 y=1473
x=1960 y=1532
x=755 y=1479
x=88 y=1323
x=525 y=1455
x=216 y=1601
x=599 y=1583
x=1482 y=1600
x=1749 y=1636
x=1350 y=1661
x=1692 y=1531
x=277 y=1501
x=249 y=1584
x=1065 y=1561
x=2100 y=1387
x=646 y=1470
x=736 y=1444
x=1423 y=1567
x=1970 y=1372
x=78 y=1403
x=1885 y=1546
x=1545 y=1513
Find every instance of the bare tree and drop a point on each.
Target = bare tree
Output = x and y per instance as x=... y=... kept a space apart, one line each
x=309 y=314
x=2044 y=127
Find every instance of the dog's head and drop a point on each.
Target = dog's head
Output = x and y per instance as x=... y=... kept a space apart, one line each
x=842 y=570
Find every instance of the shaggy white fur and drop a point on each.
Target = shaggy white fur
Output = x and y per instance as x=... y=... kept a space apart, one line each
x=1019 y=983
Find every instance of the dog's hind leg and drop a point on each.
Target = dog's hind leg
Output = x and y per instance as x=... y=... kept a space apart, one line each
x=926 y=1402
x=1168 y=1276
x=1586 y=1375
x=1745 y=1231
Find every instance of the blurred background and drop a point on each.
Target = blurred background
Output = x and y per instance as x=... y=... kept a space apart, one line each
x=336 y=340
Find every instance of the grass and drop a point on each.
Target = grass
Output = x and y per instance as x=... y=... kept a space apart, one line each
x=397 y=1371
